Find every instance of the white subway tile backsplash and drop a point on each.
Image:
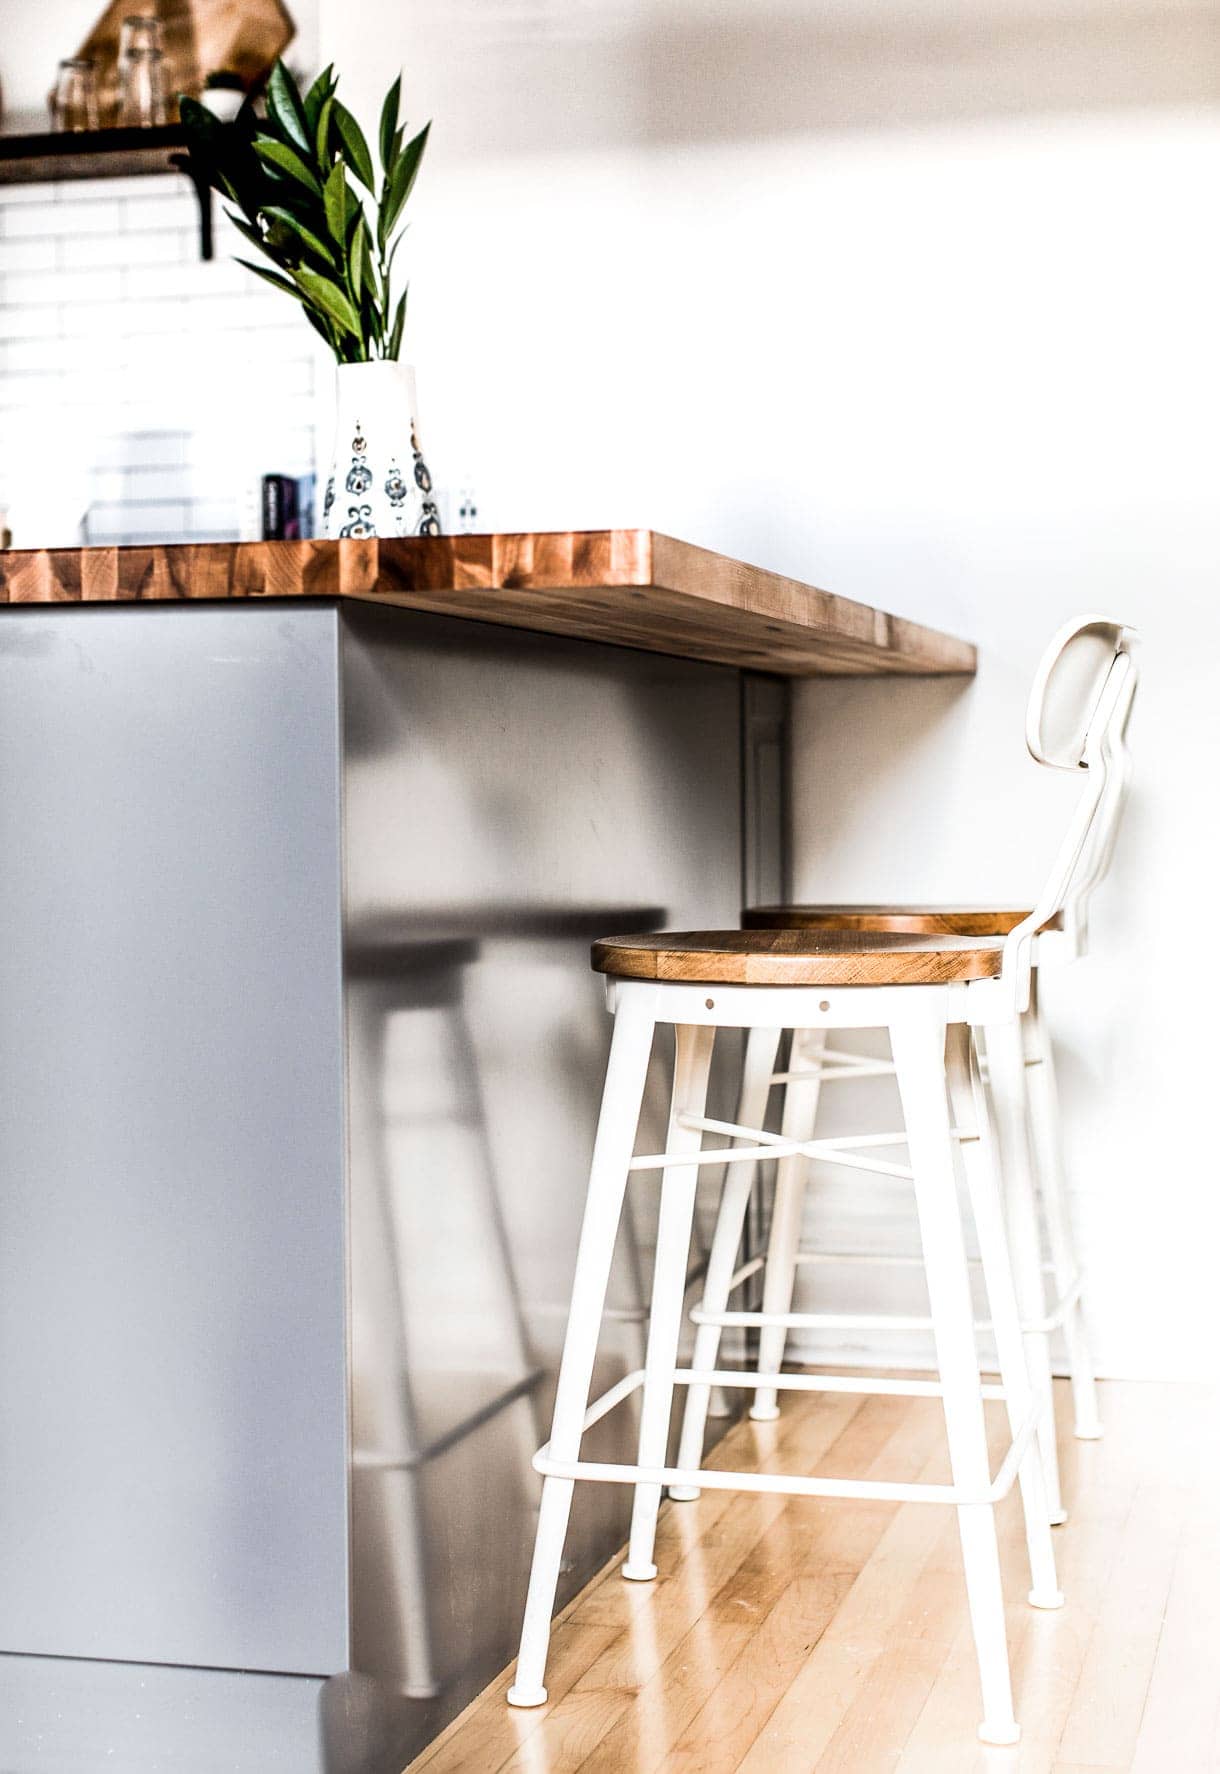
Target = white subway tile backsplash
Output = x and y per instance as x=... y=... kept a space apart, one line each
x=168 y=184
x=143 y=448
x=220 y=278
x=22 y=391
x=294 y=343
x=215 y=516
x=26 y=255
x=34 y=287
x=28 y=323
x=249 y=309
x=18 y=196
x=172 y=247
x=58 y=354
x=166 y=515
x=176 y=382
x=124 y=538
x=178 y=209
x=45 y=218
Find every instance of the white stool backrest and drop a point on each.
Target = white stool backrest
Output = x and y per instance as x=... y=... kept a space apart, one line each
x=1077 y=720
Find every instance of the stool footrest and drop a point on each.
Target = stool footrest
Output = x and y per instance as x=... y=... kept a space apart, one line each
x=795 y=1485
x=865 y=1320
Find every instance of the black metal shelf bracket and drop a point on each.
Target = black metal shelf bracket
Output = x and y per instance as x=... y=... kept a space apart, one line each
x=203 y=196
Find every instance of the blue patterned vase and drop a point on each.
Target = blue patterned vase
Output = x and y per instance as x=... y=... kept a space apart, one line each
x=379 y=484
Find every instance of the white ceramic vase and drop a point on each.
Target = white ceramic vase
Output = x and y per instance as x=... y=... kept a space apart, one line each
x=379 y=483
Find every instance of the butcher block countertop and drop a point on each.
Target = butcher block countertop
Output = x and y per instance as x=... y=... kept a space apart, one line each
x=630 y=588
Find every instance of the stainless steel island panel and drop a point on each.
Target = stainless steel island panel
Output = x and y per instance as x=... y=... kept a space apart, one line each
x=508 y=798
x=173 y=1412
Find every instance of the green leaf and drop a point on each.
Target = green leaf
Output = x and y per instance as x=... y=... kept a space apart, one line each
x=204 y=130
x=281 y=283
x=212 y=148
x=251 y=230
x=284 y=218
x=400 y=319
x=285 y=109
x=267 y=148
x=354 y=148
x=322 y=150
x=320 y=324
x=393 y=253
x=317 y=321
x=334 y=200
x=330 y=299
x=370 y=311
x=360 y=261
x=317 y=96
x=401 y=184
x=389 y=122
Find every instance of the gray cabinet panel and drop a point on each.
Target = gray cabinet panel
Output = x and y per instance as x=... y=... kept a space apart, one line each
x=173 y=1410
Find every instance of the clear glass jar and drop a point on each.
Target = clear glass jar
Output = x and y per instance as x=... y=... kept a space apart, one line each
x=142 y=89
x=74 y=105
x=141 y=72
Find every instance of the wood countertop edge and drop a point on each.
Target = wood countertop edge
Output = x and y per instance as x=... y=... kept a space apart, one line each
x=637 y=588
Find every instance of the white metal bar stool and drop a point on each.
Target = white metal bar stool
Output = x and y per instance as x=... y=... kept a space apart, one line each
x=1076 y=719
x=927 y=993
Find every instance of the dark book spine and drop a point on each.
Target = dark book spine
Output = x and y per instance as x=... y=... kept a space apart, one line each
x=280 y=521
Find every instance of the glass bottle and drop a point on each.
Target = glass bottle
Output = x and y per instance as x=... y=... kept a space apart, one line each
x=75 y=102
x=141 y=73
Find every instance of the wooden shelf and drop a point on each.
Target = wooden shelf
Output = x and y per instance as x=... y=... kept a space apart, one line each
x=105 y=154
x=91 y=154
x=631 y=588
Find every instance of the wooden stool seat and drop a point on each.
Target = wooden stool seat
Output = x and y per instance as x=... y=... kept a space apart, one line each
x=798 y=958
x=908 y=920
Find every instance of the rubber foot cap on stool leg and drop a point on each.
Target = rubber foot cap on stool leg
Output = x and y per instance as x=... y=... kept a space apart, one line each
x=519 y=1696
x=684 y=1493
x=999 y=1734
x=1088 y=1431
x=638 y=1573
x=1057 y=1520
x=764 y=1413
x=1046 y=1598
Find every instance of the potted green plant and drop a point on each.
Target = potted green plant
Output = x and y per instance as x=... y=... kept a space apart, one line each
x=303 y=190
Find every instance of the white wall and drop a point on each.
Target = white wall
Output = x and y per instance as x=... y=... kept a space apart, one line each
x=922 y=307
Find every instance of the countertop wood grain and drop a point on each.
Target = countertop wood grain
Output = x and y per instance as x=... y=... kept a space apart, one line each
x=632 y=588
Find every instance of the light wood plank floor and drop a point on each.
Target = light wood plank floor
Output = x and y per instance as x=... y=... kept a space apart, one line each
x=785 y=1636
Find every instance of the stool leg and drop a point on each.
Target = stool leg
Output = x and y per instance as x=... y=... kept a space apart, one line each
x=678 y=1185
x=761 y=1048
x=1048 y=1148
x=791 y=1175
x=980 y=1160
x=616 y=1131
x=1006 y=1067
x=919 y=1057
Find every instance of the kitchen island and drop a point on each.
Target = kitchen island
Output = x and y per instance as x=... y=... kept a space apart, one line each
x=304 y=845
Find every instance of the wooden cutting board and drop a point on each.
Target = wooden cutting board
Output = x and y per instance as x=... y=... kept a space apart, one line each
x=202 y=37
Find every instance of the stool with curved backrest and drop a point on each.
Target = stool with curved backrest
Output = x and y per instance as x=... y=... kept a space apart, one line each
x=928 y=993
x=1077 y=717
